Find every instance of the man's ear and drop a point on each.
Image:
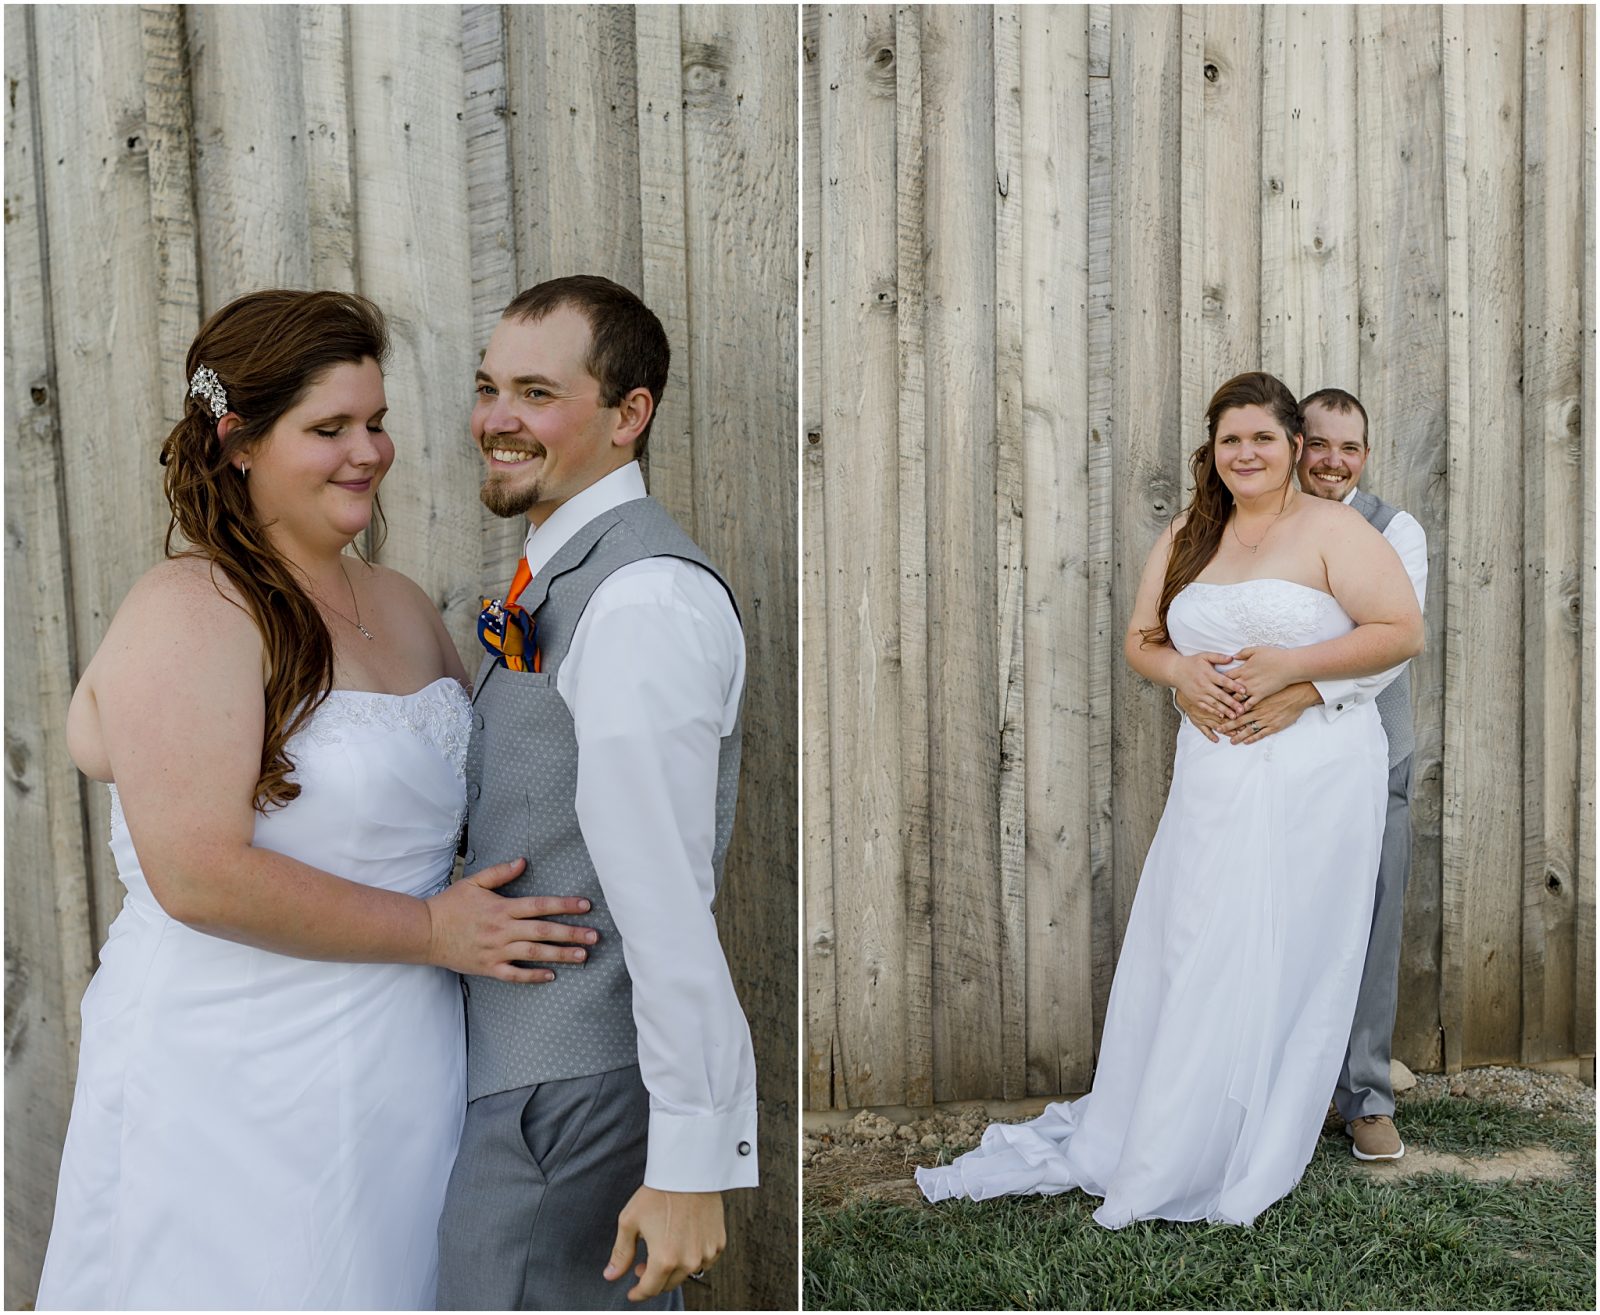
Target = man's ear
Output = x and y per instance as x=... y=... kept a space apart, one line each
x=633 y=414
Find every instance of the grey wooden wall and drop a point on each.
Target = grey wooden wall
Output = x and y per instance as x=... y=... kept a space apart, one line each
x=162 y=159
x=1035 y=240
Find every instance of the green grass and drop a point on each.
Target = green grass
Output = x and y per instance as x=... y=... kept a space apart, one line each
x=1340 y=1240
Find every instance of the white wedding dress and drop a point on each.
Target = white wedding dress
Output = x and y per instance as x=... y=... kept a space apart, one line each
x=1234 y=993
x=253 y=1131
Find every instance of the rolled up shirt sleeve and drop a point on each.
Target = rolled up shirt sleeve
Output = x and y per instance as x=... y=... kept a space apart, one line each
x=653 y=680
x=1407 y=538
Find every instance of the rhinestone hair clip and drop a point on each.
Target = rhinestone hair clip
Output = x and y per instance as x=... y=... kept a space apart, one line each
x=207 y=386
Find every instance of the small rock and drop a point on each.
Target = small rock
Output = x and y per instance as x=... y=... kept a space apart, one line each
x=905 y=1132
x=1400 y=1077
x=873 y=1127
x=930 y=1141
x=811 y=1145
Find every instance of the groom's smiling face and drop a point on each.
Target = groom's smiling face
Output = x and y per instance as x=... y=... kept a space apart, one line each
x=538 y=421
x=1335 y=451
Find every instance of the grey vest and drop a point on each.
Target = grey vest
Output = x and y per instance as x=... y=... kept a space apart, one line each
x=522 y=777
x=1394 y=701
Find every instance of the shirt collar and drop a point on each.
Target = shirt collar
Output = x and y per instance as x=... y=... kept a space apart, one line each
x=625 y=484
x=1350 y=496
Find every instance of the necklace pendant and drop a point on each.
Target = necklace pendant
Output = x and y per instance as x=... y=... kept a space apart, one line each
x=363 y=630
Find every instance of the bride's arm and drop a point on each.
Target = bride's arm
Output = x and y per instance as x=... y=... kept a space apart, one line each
x=1195 y=678
x=1369 y=581
x=178 y=690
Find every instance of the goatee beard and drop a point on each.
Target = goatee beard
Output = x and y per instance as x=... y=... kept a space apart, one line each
x=504 y=500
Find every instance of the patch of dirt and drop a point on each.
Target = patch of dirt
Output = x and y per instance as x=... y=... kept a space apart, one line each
x=873 y=1158
x=1525 y=1164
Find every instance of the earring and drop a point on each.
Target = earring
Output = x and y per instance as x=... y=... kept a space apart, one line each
x=244 y=471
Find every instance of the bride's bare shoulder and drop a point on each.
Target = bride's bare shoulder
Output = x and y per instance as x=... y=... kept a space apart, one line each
x=1334 y=523
x=186 y=584
x=183 y=609
x=1325 y=511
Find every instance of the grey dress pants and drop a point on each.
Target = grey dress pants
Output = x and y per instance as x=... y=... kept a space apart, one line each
x=1364 y=1087
x=531 y=1211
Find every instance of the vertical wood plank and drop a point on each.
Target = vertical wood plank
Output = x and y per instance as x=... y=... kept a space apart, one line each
x=670 y=455
x=49 y=951
x=911 y=443
x=250 y=150
x=169 y=141
x=413 y=259
x=816 y=805
x=1220 y=147
x=1275 y=206
x=858 y=262
x=740 y=136
x=325 y=116
x=1403 y=369
x=963 y=759
x=1482 y=819
x=1104 y=655
x=1010 y=677
x=1584 y=932
x=105 y=287
x=1552 y=371
x=1148 y=434
x=1057 y=634
x=491 y=237
x=575 y=140
x=1314 y=157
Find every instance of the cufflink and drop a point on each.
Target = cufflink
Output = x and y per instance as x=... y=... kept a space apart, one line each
x=744 y=1148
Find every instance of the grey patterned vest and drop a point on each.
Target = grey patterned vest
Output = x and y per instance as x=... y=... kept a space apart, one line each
x=522 y=776
x=1394 y=702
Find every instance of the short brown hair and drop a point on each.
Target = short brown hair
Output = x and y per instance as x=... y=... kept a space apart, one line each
x=1336 y=399
x=627 y=346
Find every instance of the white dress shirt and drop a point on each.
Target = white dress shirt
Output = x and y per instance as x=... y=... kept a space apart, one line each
x=653 y=679
x=1406 y=537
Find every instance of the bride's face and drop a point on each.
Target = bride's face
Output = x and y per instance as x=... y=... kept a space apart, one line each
x=1253 y=454
x=315 y=475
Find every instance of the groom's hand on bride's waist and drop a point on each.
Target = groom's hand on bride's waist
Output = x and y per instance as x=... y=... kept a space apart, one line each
x=683 y=1234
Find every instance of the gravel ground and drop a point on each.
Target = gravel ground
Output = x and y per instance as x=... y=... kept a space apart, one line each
x=872 y=1147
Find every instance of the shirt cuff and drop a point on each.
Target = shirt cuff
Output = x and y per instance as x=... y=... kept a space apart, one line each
x=701 y=1152
x=1338 y=696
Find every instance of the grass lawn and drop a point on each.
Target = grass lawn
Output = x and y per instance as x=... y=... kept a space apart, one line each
x=1341 y=1240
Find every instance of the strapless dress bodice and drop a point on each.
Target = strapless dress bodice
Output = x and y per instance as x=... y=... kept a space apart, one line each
x=382 y=792
x=1226 y=617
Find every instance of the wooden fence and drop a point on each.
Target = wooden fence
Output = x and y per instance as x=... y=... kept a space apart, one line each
x=162 y=159
x=1035 y=240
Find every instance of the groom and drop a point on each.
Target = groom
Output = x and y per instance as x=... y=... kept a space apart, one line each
x=1335 y=453
x=610 y=1107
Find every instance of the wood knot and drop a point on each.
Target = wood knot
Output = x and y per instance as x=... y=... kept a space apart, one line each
x=1212 y=72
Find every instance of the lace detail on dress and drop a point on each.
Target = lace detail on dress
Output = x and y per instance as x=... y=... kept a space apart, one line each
x=440 y=713
x=1272 y=612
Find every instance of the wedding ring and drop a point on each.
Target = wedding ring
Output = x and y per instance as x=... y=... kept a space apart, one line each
x=699 y=1276
x=1256 y=727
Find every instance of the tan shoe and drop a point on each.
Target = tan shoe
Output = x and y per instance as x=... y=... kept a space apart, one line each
x=1373 y=1137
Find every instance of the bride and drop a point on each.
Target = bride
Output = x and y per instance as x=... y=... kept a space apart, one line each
x=271 y=1075
x=1235 y=988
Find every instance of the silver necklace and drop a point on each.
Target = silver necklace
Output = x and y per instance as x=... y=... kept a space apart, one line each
x=356 y=603
x=1234 y=525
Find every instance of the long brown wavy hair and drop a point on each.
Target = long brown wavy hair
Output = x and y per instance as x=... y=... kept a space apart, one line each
x=1196 y=541
x=267 y=349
